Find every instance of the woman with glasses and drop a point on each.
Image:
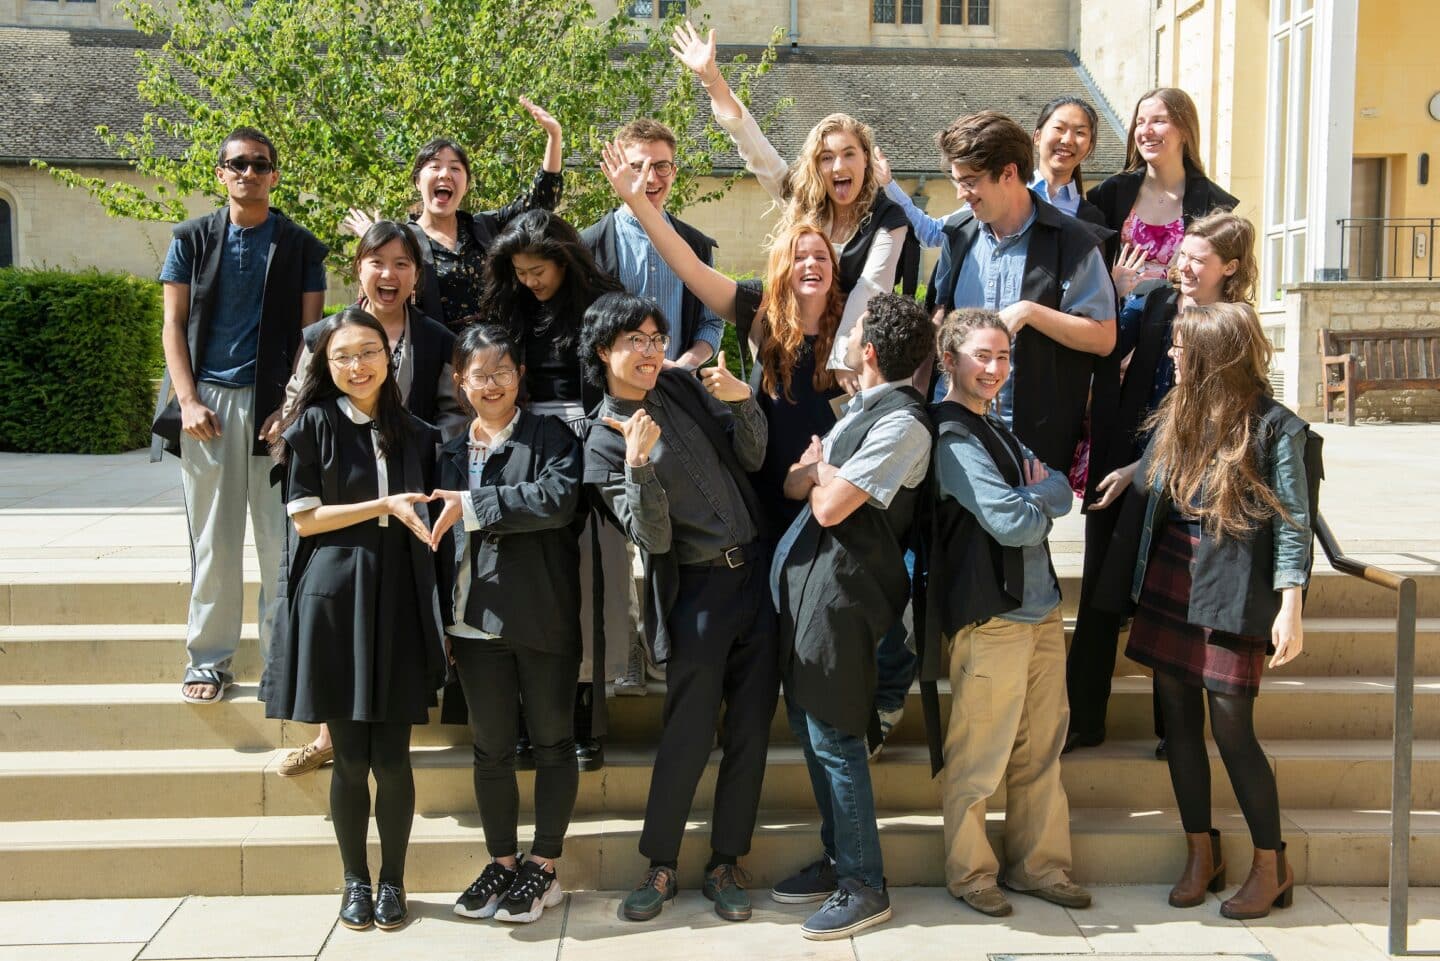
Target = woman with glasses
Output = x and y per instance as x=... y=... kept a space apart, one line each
x=359 y=645
x=832 y=183
x=453 y=241
x=387 y=264
x=511 y=489
x=540 y=280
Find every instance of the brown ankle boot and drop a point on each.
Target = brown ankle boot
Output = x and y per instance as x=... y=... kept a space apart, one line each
x=1271 y=884
x=1204 y=870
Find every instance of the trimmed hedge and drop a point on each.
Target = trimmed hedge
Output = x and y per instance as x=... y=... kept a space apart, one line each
x=79 y=353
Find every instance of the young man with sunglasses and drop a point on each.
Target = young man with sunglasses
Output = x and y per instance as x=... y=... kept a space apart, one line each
x=239 y=284
x=669 y=455
x=622 y=248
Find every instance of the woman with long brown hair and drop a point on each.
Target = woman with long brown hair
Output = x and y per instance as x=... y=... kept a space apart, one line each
x=1161 y=191
x=1224 y=557
x=1216 y=263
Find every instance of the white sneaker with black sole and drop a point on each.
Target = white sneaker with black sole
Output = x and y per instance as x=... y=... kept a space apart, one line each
x=484 y=894
x=534 y=890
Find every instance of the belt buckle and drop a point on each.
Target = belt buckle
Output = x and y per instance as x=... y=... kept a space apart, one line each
x=735 y=557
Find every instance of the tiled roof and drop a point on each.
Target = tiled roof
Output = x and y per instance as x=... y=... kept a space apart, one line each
x=59 y=84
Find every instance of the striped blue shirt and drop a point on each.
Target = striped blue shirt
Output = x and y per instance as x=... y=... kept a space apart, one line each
x=644 y=272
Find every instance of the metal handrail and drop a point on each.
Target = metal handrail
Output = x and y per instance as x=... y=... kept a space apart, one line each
x=1404 y=734
x=1386 y=257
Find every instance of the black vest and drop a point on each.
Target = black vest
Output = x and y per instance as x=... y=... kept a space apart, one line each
x=843 y=587
x=280 y=315
x=1052 y=381
x=971 y=577
x=884 y=214
x=600 y=238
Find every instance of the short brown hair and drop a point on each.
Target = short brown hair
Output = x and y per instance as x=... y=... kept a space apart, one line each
x=988 y=141
x=1232 y=237
x=645 y=130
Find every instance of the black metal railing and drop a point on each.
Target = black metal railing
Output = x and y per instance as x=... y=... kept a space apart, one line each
x=1404 y=732
x=1388 y=248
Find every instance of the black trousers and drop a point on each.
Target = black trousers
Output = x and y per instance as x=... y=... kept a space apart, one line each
x=1090 y=664
x=723 y=650
x=495 y=675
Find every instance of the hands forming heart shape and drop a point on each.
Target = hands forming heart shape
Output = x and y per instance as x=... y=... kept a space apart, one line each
x=403 y=507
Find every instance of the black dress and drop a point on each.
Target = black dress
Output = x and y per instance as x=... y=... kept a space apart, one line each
x=359 y=638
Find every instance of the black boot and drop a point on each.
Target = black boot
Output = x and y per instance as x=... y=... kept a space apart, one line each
x=589 y=752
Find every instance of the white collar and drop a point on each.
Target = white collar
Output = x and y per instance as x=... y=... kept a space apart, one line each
x=356 y=415
x=500 y=438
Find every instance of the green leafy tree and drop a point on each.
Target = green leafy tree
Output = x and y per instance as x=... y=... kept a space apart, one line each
x=350 y=89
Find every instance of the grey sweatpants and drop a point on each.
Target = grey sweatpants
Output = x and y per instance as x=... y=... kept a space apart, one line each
x=221 y=477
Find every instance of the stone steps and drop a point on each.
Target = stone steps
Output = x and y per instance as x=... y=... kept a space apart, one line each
x=114 y=717
x=158 y=857
x=118 y=653
x=136 y=598
x=218 y=782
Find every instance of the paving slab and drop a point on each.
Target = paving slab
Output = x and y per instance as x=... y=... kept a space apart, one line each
x=1368 y=911
x=1136 y=919
x=436 y=933
x=267 y=926
x=1311 y=928
x=71 y=922
x=72 y=952
x=930 y=925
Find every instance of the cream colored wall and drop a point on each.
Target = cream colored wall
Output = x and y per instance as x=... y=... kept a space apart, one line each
x=1014 y=24
x=1398 y=71
x=59 y=227
x=1113 y=40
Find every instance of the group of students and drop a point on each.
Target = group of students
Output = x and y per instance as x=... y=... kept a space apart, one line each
x=471 y=455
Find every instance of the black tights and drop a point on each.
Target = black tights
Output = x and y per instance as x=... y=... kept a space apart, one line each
x=1232 y=724
x=362 y=748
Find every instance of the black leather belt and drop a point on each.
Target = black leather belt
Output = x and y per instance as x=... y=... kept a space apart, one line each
x=734 y=557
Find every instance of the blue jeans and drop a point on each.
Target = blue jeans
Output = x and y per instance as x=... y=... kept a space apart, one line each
x=894 y=661
x=839 y=769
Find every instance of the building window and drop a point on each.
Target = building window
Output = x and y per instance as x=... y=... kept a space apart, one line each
x=645 y=9
x=7 y=244
x=1289 y=147
x=971 y=13
x=897 y=11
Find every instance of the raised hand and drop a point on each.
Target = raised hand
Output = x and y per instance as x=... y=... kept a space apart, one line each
x=881 y=165
x=449 y=515
x=358 y=221
x=695 y=53
x=548 y=123
x=641 y=434
x=402 y=508
x=1128 y=268
x=628 y=184
x=722 y=384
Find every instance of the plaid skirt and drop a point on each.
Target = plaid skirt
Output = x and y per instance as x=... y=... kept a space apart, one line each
x=1163 y=639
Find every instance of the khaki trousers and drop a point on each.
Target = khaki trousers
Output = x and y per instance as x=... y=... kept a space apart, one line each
x=1008 y=719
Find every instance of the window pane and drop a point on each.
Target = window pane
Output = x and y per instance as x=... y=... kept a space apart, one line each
x=952 y=11
x=1299 y=154
x=642 y=9
x=883 y=11
x=979 y=13
x=1274 y=261
x=1279 y=124
x=912 y=11
x=1295 y=258
x=7 y=253
x=668 y=7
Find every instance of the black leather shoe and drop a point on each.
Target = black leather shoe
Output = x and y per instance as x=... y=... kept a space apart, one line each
x=1082 y=739
x=357 y=911
x=589 y=754
x=390 y=909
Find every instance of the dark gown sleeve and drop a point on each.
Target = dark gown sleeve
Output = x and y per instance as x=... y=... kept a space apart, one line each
x=303 y=475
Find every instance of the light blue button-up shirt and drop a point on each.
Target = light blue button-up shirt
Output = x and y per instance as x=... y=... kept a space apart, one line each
x=644 y=272
x=1067 y=198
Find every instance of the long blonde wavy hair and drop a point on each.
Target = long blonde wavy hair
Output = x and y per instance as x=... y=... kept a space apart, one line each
x=806 y=199
x=781 y=334
x=1205 y=445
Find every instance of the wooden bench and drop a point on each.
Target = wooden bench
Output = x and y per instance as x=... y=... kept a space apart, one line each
x=1355 y=361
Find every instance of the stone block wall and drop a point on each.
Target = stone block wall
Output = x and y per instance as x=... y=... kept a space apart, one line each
x=1350 y=306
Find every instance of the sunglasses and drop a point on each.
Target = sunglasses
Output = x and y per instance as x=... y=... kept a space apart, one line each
x=239 y=165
